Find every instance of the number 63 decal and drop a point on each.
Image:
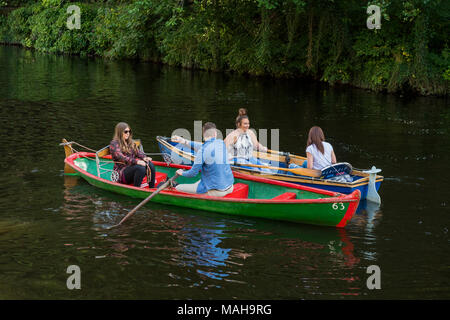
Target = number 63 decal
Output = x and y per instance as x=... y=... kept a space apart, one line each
x=337 y=206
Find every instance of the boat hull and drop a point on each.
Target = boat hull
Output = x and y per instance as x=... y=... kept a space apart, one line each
x=311 y=206
x=185 y=156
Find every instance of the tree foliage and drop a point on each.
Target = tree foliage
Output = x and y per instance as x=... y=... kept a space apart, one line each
x=326 y=40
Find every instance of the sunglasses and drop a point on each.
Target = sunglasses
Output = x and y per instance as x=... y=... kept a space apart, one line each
x=126 y=131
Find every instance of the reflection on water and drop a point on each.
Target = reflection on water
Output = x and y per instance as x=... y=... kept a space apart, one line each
x=199 y=247
x=13 y=229
x=201 y=250
x=49 y=221
x=368 y=215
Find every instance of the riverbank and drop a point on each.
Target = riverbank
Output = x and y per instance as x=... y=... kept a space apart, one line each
x=327 y=42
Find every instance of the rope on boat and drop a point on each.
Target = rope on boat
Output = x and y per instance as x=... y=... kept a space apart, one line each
x=92 y=150
x=73 y=142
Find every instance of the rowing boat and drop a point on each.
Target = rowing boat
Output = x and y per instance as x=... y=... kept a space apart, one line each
x=183 y=154
x=252 y=196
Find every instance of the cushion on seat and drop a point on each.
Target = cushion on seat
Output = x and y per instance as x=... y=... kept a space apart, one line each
x=159 y=177
x=286 y=196
x=240 y=190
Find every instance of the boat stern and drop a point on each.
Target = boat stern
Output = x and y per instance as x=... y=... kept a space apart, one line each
x=355 y=197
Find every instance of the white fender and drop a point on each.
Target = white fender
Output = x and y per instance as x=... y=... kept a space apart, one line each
x=372 y=194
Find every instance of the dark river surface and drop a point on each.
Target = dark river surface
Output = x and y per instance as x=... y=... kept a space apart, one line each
x=49 y=221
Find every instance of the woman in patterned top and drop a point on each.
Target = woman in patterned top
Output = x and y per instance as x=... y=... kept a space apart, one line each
x=242 y=141
x=129 y=163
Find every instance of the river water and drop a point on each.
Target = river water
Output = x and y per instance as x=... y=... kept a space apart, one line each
x=49 y=221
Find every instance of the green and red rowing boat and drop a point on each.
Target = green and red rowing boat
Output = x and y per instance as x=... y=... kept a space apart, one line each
x=252 y=196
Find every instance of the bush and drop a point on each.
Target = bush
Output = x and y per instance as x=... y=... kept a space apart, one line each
x=322 y=39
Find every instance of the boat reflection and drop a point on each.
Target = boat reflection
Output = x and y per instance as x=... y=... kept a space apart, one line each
x=367 y=215
x=203 y=248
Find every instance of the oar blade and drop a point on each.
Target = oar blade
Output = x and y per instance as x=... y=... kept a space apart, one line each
x=162 y=187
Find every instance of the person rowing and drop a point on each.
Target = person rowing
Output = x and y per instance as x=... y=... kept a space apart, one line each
x=211 y=159
x=242 y=141
x=130 y=164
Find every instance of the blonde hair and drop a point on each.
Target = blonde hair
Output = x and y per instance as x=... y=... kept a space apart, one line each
x=126 y=146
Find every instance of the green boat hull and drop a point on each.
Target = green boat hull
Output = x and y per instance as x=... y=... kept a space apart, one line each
x=310 y=206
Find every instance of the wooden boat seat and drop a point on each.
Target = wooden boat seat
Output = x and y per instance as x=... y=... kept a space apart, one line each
x=240 y=190
x=286 y=196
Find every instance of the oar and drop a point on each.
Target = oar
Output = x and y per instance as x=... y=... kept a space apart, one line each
x=281 y=153
x=301 y=171
x=162 y=187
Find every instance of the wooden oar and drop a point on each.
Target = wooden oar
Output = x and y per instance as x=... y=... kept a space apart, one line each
x=300 y=171
x=285 y=153
x=162 y=187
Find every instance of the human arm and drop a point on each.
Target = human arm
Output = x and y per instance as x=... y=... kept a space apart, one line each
x=256 y=143
x=141 y=157
x=310 y=159
x=195 y=169
x=198 y=163
x=333 y=157
x=193 y=144
x=230 y=139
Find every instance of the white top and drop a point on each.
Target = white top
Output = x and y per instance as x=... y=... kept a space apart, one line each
x=320 y=160
x=243 y=148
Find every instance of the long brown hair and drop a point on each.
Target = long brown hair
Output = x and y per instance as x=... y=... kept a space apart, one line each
x=241 y=116
x=125 y=146
x=316 y=137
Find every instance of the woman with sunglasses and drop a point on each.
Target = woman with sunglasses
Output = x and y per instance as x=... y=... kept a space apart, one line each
x=129 y=163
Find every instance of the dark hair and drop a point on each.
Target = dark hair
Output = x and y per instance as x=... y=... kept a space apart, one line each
x=208 y=126
x=241 y=116
x=316 y=137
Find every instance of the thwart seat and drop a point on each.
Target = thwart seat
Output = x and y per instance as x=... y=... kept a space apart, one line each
x=286 y=196
x=159 y=177
x=240 y=190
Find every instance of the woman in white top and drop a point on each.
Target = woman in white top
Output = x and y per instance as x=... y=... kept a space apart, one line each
x=242 y=141
x=319 y=153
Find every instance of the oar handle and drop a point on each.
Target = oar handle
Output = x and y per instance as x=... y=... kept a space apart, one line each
x=162 y=187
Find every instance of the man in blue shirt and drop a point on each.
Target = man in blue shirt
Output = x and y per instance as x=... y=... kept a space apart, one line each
x=211 y=159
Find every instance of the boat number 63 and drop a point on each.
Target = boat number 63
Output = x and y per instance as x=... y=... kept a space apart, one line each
x=338 y=206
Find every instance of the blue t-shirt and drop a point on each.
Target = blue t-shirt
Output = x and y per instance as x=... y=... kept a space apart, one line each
x=212 y=160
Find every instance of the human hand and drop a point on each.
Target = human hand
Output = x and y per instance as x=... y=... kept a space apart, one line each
x=147 y=159
x=141 y=163
x=179 y=139
x=180 y=172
